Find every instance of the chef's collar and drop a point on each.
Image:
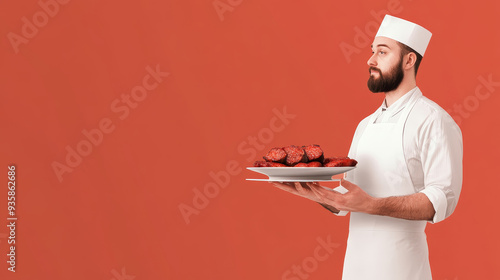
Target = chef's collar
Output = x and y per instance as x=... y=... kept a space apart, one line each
x=398 y=105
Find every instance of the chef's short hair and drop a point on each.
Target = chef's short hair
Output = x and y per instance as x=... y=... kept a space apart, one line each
x=406 y=50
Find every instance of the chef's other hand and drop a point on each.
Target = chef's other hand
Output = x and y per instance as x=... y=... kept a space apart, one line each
x=355 y=200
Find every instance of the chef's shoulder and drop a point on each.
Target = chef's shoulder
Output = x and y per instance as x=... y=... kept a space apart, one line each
x=427 y=116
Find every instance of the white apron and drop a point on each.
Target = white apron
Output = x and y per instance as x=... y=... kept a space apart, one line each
x=379 y=247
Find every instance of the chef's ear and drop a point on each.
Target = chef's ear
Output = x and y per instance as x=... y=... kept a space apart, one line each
x=409 y=60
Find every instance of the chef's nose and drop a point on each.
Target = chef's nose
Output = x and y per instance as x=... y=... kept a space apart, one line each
x=372 y=61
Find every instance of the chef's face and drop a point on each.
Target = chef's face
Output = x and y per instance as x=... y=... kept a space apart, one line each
x=385 y=65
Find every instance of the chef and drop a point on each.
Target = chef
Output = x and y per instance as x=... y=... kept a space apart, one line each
x=409 y=171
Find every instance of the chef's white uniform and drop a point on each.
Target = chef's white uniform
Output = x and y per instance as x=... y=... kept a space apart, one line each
x=412 y=146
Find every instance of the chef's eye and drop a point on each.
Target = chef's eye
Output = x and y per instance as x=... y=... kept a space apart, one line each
x=381 y=52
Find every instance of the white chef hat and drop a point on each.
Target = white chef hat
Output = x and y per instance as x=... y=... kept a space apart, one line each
x=403 y=31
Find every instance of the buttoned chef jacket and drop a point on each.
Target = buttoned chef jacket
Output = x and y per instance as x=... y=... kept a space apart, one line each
x=433 y=150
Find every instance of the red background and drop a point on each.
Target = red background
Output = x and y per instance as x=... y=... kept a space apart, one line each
x=117 y=215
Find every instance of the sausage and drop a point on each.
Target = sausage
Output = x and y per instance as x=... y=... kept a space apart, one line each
x=350 y=162
x=276 y=155
x=305 y=156
x=314 y=153
x=261 y=163
x=310 y=164
x=339 y=161
x=294 y=155
x=333 y=161
x=314 y=164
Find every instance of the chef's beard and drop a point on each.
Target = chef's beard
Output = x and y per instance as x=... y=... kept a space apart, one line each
x=388 y=82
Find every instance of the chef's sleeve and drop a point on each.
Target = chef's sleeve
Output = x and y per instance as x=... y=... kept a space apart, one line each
x=441 y=152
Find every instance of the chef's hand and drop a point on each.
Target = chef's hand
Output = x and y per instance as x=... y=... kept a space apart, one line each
x=303 y=190
x=355 y=200
x=300 y=189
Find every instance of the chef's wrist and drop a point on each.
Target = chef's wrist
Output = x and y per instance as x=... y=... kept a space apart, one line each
x=374 y=205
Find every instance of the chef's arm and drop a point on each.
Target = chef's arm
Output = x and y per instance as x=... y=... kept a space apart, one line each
x=441 y=158
x=416 y=206
x=411 y=207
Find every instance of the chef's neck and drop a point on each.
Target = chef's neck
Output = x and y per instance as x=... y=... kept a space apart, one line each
x=406 y=85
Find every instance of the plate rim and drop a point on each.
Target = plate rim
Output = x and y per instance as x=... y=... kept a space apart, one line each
x=324 y=177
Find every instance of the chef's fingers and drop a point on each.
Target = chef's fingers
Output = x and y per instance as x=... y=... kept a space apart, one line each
x=316 y=186
x=319 y=195
x=281 y=183
x=346 y=184
x=300 y=188
x=319 y=189
x=284 y=186
x=327 y=193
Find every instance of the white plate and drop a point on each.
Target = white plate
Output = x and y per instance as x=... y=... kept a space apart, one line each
x=299 y=174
